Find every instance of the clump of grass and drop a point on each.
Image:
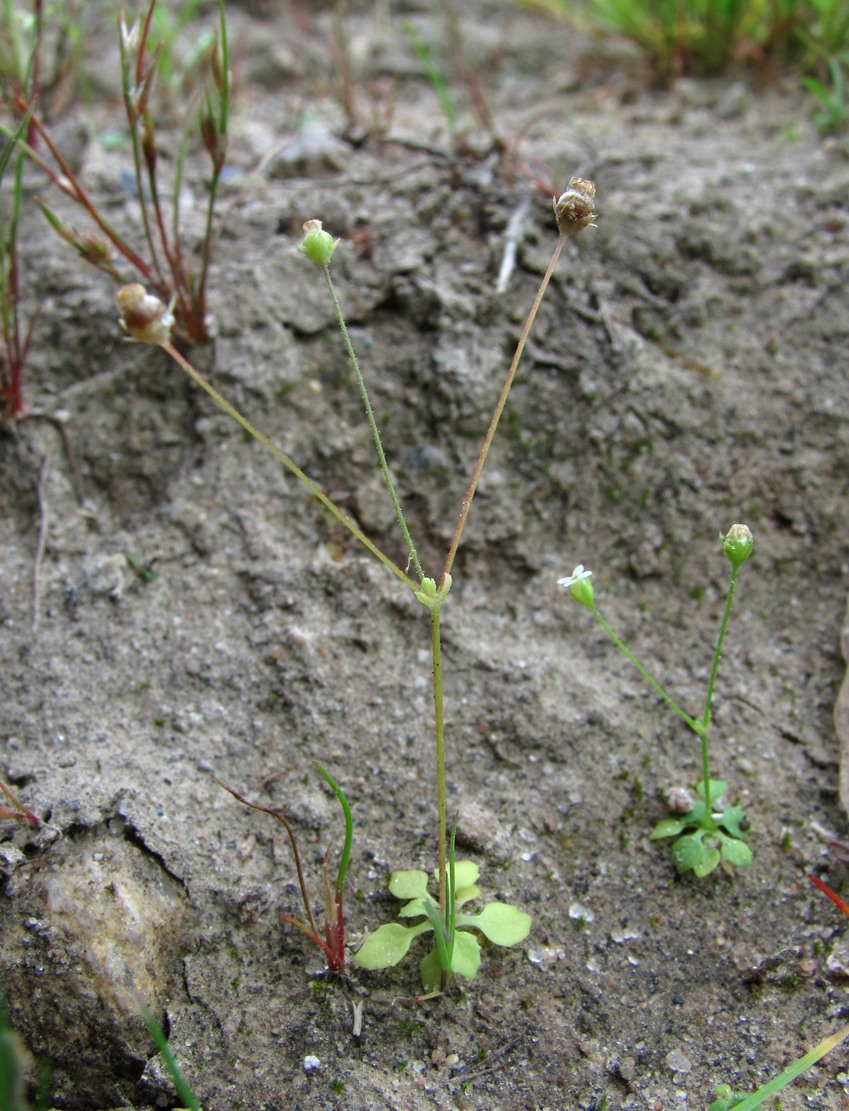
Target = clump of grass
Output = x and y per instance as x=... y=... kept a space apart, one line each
x=707 y=37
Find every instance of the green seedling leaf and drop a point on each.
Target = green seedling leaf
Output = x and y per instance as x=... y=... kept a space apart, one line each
x=718 y=787
x=466 y=895
x=465 y=961
x=466 y=957
x=731 y=819
x=669 y=827
x=689 y=851
x=144 y=572
x=430 y=970
x=466 y=873
x=709 y=861
x=736 y=852
x=416 y=908
x=501 y=923
x=388 y=945
x=727 y=1098
x=408 y=885
x=455 y=949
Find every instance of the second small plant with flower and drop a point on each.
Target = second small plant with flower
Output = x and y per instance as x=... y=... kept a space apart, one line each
x=706 y=829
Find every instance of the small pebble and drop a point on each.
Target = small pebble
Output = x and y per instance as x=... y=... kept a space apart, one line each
x=678 y=1062
x=311 y=1063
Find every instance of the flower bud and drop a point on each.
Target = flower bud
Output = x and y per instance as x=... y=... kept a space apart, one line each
x=144 y=317
x=318 y=245
x=573 y=211
x=579 y=586
x=432 y=596
x=738 y=544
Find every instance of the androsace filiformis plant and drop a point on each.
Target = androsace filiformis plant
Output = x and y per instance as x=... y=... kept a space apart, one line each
x=331 y=941
x=707 y=829
x=148 y=319
x=165 y=264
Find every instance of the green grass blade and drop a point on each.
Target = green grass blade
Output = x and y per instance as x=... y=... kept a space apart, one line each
x=792 y=1071
x=349 y=829
x=183 y=1090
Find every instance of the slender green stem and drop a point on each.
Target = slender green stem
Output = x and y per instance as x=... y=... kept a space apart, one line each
x=441 y=798
x=384 y=466
x=697 y=726
x=499 y=408
x=289 y=464
x=717 y=655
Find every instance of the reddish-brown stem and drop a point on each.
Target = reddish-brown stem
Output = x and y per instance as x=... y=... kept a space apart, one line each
x=312 y=930
x=499 y=408
x=838 y=902
x=69 y=185
x=17 y=810
x=333 y=943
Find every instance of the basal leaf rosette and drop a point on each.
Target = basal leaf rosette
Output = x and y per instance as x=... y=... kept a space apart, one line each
x=702 y=839
x=500 y=923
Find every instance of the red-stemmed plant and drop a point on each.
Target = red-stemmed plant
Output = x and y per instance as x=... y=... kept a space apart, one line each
x=331 y=940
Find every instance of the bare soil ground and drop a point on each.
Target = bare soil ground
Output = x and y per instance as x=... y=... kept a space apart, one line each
x=688 y=371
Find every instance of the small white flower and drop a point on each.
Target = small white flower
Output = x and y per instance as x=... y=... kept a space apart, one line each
x=569 y=581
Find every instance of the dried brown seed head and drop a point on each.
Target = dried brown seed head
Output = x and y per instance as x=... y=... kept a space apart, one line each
x=144 y=317
x=573 y=210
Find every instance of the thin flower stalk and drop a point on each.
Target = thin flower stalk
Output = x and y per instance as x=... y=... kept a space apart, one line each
x=573 y=212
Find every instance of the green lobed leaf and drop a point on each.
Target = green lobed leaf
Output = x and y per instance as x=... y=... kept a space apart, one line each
x=501 y=923
x=430 y=971
x=718 y=787
x=466 y=873
x=730 y=821
x=465 y=895
x=415 y=908
x=388 y=945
